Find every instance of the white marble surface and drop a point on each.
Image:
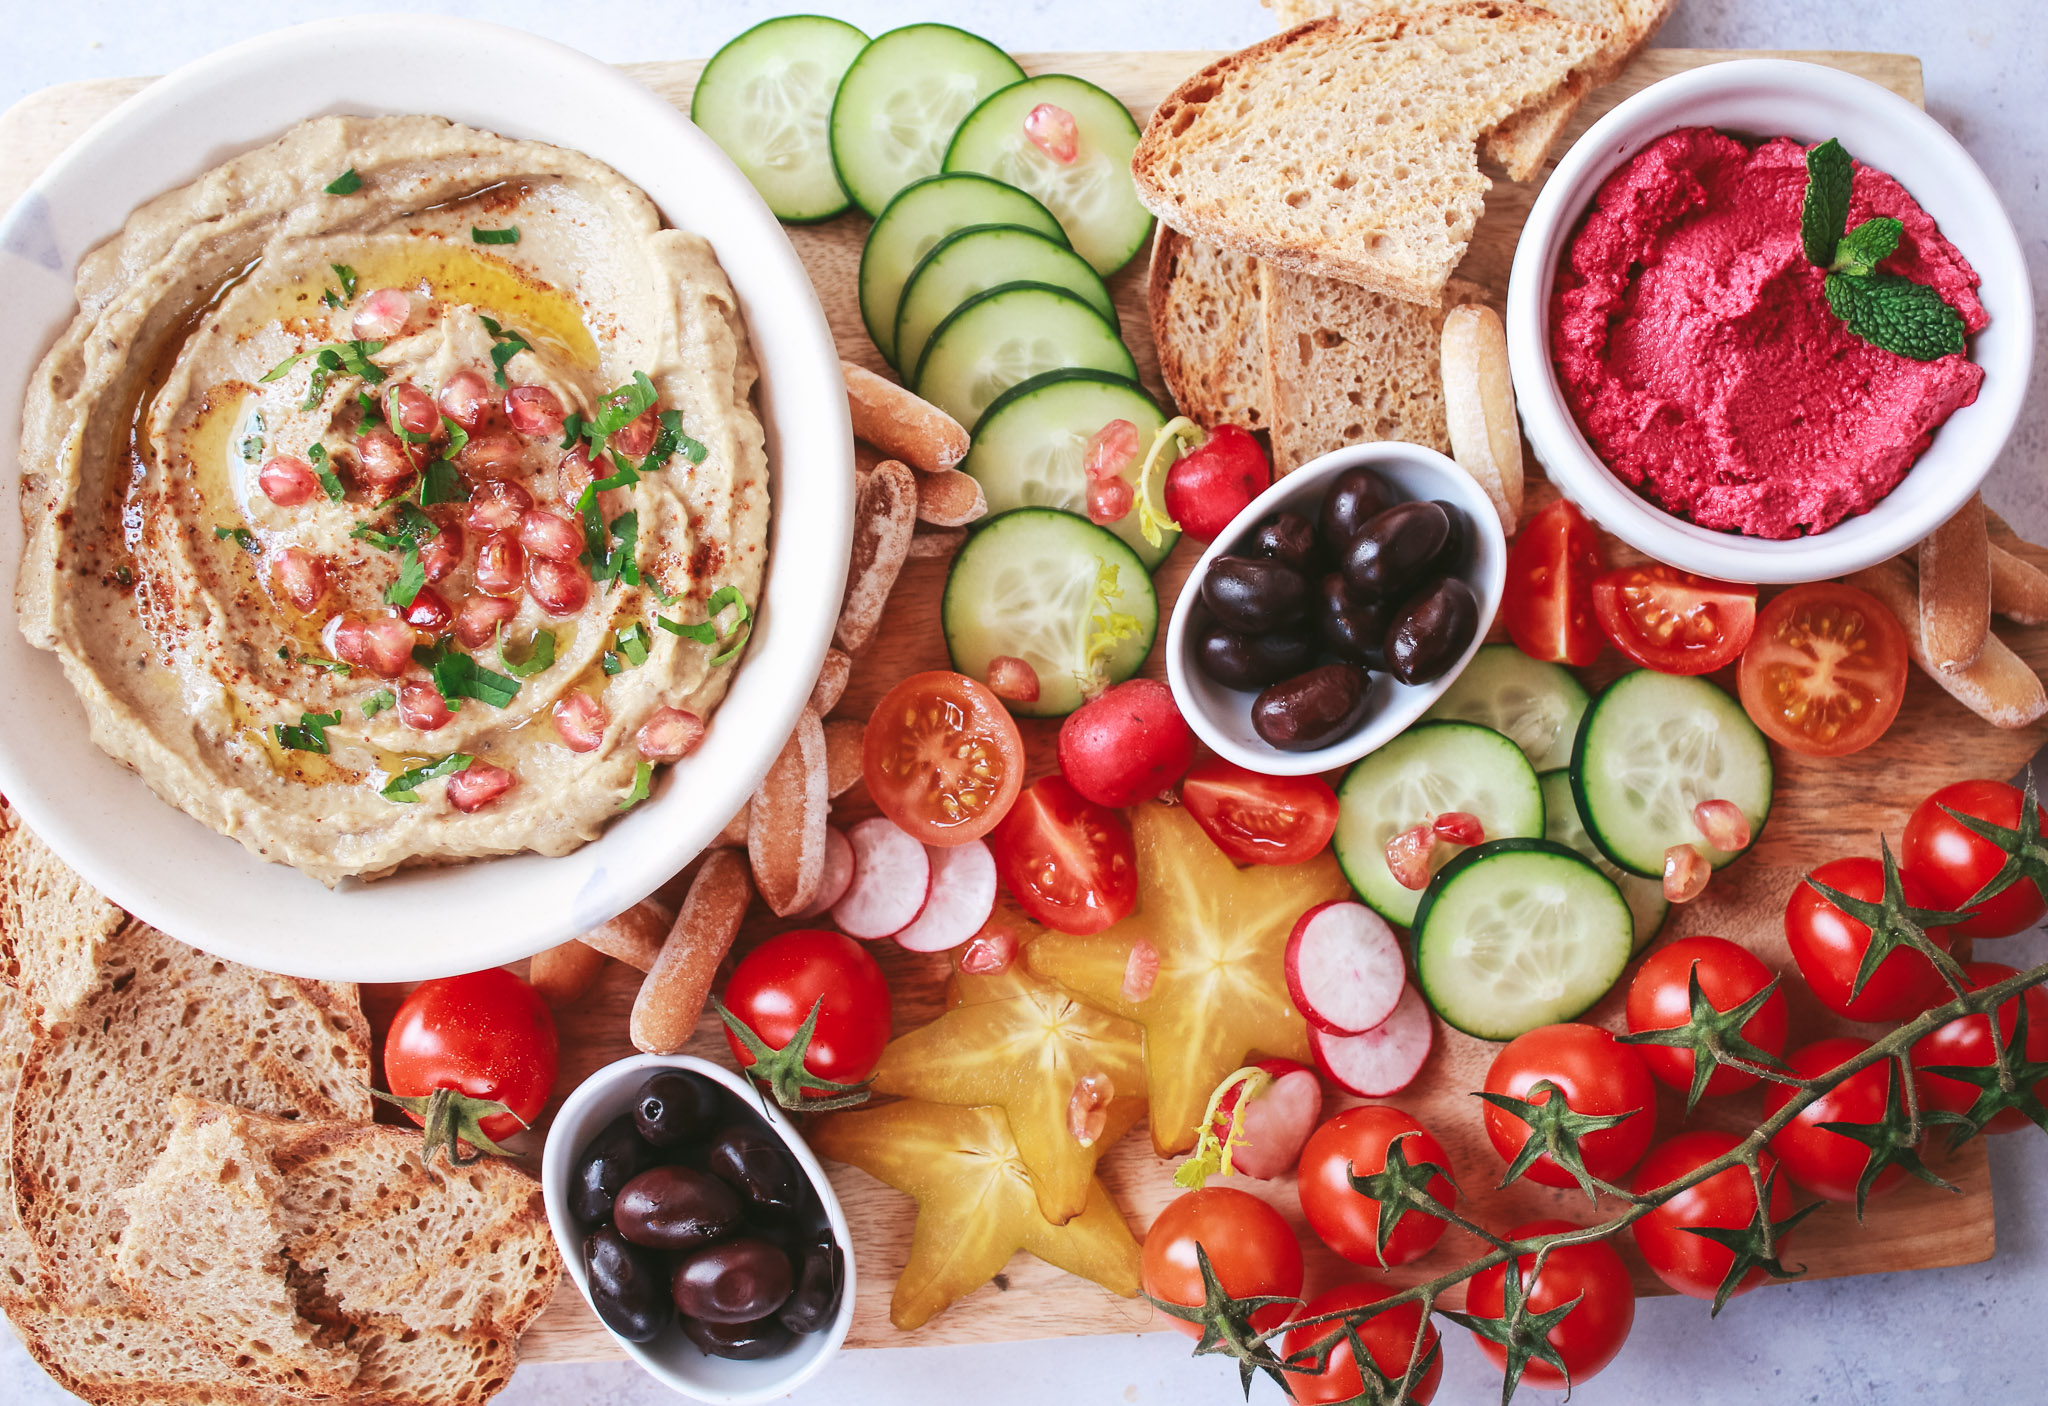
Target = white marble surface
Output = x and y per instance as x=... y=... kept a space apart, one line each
x=1946 y=1334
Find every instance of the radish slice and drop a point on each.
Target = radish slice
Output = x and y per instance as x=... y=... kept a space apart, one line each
x=1385 y=1059
x=1344 y=968
x=963 y=895
x=1277 y=1123
x=891 y=876
x=838 y=872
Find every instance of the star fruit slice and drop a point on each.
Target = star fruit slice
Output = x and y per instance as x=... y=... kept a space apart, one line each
x=975 y=1203
x=1219 y=935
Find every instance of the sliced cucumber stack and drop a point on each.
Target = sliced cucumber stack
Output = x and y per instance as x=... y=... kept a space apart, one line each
x=1426 y=771
x=901 y=102
x=921 y=215
x=1029 y=446
x=1562 y=825
x=981 y=257
x=1058 y=592
x=1517 y=934
x=1001 y=338
x=1651 y=748
x=1538 y=705
x=766 y=99
x=1093 y=194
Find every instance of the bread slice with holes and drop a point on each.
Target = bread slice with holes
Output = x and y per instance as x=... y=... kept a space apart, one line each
x=53 y=924
x=1208 y=328
x=1349 y=149
x=18 y=1269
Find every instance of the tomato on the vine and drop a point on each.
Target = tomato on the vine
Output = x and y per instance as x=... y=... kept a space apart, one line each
x=1660 y=998
x=775 y=986
x=1952 y=863
x=1355 y=1142
x=1251 y=1248
x=1388 y=1337
x=487 y=1035
x=1549 y=598
x=1673 y=621
x=1692 y=1264
x=1967 y=1043
x=1597 y=1076
x=1260 y=819
x=1067 y=860
x=1824 y=1162
x=1829 y=945
x=1825 y=670
x=1589 y=1336
x=942 y=757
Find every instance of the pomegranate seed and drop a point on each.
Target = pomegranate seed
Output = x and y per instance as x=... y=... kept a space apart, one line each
x=382 y=459
x=1109 y=500
x=1724 y=825
x=412 y=409
x=387 y=645
x=1686 y=872
x=549 y=535
x=429 y=611
x=381 y=315
x=287 y=482
x=669 y=735
x=580 y=722
x=534 y=411
x=638 y=435
x=477 y=785
x=500 y=565
x=561 y=587
x=1408 y=855
x=1012 y=678
x=421 y=706
x=493 y=454
x=1458 y=827
x=1053 y=131
x=989 y=952
x=1141 y=970
x=465 y=398
x=346 y=638
x=441 y=553
x=1111 y=449
x=301 y=576
x=497 y=506
x=573 y=473
x=478 y=618
x=1088 y=1107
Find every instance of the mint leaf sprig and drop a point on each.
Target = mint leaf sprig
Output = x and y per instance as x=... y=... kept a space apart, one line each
x=1884 y=309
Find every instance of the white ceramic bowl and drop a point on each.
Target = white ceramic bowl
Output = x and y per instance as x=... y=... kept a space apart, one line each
x=1222 y=717
x=671 y=1358
x=206 y=889
x=1762 y=98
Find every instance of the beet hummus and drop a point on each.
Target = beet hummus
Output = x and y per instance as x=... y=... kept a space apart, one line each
x=1699 y=355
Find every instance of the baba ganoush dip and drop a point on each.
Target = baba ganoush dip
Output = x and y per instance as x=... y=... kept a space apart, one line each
x=308 y=484
x=1695 y=345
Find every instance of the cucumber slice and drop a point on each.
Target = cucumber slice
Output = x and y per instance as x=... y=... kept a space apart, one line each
x=1517 y=934
x=1535 y=704
x=1427 y=770
x=1004 y=337
x=1651 y=748
x=901 y=102
x=1056 y=591
x=1093 y=195
x=1562 y=825
x=766 y=99
x=1029 y=445
x=916 y=220
x=981 y=257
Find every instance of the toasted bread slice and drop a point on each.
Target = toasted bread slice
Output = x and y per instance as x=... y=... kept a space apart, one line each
x=18 y=1270
x=116 y=1355
x=1349 y=149
x=52 y=923
x=1208 y=328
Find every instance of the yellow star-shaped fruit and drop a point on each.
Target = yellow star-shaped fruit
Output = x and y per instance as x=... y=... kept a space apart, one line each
x=1220 y=935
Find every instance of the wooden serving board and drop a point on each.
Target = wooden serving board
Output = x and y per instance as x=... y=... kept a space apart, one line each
x=1821 y=809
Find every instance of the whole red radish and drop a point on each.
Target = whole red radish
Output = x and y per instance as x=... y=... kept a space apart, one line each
x=1126 y=745
x=1259 y=1117
x=1211 y=483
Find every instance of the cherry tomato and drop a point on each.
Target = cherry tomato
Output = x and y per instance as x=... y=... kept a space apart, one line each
x=1827 y=1163
x=1828 y=945
x=1260 y=819
x=1068 y=861
x=1660 y=999
x=1968 y=1042
x=1356 y=1141
x=1549 y=600
x=1673 y=621
x=1126 y=745
x=1597 y=1075
x=1590 y=1335
x=1693 y=1264
x=1388 y=1337
x=1215 y=481
x=942 y=757
x=488 y=1035
x=1825 y=670
x=774 y=987
x=1952 y=863
x=1252 y=1250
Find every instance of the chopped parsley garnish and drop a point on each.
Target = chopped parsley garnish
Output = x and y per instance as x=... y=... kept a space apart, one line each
x=668 y=441
x=331 y=298
x=411 y=579
x=612 y=664
x=124 y=576
x=347 y=276
x=539 y=655
x=505 y=346
x=633 y=642
x=352 y=357
x=332 y=666
x=372 y=415
x=572 y=429
x=240 y=536
x=440 y=483
x=457 y=675
x=621 y=408
x=643 y=778
x=310 y=735
x=378 y=702
x=323 y=468
x=347 y=183
x=707 y=631
x=414 y=527
x=404 y=787
x=251 y=447
x=507 y=235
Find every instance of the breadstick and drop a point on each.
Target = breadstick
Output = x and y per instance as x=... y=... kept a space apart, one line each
x=734 y=833
x=673 y=995
x=1479 y=402
x=786 y=821
x=950 y=498
x=831 y=684
x=885 y=516
x=563 y=973
x=1955 y=589
x=865 y=457
x=1998 y=688
x=843 y=761
x=2019 y=589
x=634 y=937
x=900 y=424
x=942 y=543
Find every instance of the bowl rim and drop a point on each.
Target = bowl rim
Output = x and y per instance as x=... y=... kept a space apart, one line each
x=106 y=823
x=1581 y=475
x=558 y=1159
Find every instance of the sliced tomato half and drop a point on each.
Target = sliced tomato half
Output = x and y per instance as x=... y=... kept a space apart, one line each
x=1825 y=671
x=1673 y=621
x=1260 y=819
x=1548 y=604
x=1068 y=861
x=942 y=757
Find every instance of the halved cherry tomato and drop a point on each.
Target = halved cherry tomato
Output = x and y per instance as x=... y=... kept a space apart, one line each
x=1250 y=1247
x=1673 y=621
x=1953 y=862
x=1549 y=602
x=1068 y=861
x=1260 y=819
x=1825 y=670
x=942 y=757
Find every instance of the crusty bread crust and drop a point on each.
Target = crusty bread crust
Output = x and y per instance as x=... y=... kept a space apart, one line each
x=52 y=923
x=1209 y=330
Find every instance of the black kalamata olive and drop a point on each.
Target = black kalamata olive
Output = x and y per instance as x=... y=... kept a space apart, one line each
x=1450 y=558
x=1431 y=631
x=1254 y=593
x=1313 y=709
x=1288 y=538
x=756 y=1165
x=674 y=1106
x=820 y=1278
x=612 y=1158
x=626 y=1286
x=676 y=1208
x=1252 y=660
x=742 y=1342
x=1354 y=629
x=1357 y=496
x=1392 y=550
x=734 y=1281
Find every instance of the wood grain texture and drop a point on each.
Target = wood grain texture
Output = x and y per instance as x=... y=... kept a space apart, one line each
x=1821 y=809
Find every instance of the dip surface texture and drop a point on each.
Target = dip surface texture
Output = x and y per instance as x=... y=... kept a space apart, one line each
x=1695 y=345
